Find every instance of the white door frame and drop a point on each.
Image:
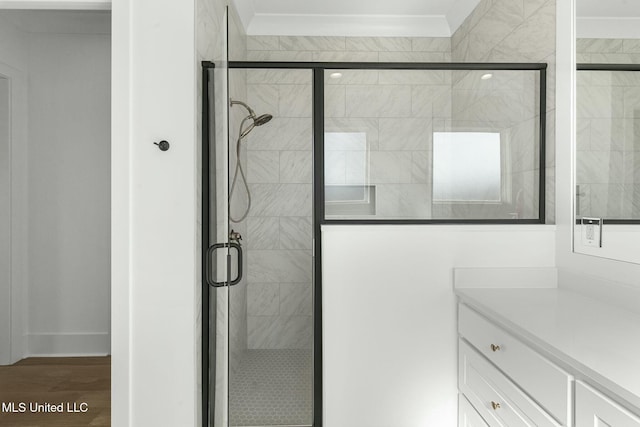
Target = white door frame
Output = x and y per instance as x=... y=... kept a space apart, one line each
x=15 y=331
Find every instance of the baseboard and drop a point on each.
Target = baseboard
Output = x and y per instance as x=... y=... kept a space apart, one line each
x=68 y=345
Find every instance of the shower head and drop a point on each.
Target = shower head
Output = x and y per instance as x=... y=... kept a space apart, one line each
x=261 y=120
x=257 y=120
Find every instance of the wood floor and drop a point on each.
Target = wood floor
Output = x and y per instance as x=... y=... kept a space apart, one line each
x=70 y=381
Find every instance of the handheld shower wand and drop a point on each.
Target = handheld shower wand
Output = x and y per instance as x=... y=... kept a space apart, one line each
x=242 y=133
x=257 y=120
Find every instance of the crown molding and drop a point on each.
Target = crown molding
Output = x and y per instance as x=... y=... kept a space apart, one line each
x=349 y=25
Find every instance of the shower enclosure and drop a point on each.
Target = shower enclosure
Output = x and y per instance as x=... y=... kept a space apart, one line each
x=291 y=147
x=259 y=270
x=257 y=265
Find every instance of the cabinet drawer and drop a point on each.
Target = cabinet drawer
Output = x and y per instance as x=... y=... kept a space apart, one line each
x=498 y=400
x=544 y=382
x=595 y=410
x=467 y=415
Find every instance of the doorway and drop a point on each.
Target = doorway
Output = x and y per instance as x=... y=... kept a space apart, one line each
x=55 y=179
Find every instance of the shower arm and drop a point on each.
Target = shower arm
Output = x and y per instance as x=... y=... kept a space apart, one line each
x=252 y=113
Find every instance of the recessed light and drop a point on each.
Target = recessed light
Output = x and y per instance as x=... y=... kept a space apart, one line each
x=486 y=76
x=335 y=75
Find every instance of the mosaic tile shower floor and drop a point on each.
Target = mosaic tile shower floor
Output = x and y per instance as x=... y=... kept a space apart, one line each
x=272 y=388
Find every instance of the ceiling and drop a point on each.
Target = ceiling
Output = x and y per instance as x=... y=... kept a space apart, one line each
x=608 y=19
x=59 y=21
x=409 y=18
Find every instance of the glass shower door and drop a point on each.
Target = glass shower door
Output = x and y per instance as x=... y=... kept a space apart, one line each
x=215 y=237
x=271 y=334
x=258 y=338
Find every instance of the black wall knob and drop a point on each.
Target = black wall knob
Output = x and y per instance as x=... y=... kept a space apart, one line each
x=162 y=145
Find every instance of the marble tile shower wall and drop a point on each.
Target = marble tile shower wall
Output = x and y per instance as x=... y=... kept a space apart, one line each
x=608 y=51
x=608 y=131
x=349 y=49
x=398 y=111
x=515 y=31
x=279 y=236
x=279 y=226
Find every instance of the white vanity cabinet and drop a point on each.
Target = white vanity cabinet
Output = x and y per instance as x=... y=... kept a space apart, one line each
x=507 y=382
x=499 y=400
x=527 y=358
x=593 y=409
x=542 y=380
x=467 y=415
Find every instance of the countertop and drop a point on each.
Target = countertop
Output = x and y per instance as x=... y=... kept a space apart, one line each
x=595 y=341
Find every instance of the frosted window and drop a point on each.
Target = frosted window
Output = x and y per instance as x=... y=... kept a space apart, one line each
x=466 y=166
x=346 y=159
x=346 y=174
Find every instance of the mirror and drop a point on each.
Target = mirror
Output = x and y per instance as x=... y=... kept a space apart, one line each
x=607 y=151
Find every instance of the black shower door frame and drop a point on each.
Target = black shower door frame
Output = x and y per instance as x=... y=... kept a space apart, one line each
x=319 y=219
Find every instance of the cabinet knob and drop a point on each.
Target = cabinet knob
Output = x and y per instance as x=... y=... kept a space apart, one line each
x=495 y=405
x=495 y=347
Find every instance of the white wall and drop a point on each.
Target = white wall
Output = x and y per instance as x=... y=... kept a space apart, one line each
x=14 y=47
x=69 y=193
x=574 y=267
x=389 y=315
x=155 y=231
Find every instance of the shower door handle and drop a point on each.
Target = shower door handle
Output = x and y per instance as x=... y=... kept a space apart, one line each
x=209 y=259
